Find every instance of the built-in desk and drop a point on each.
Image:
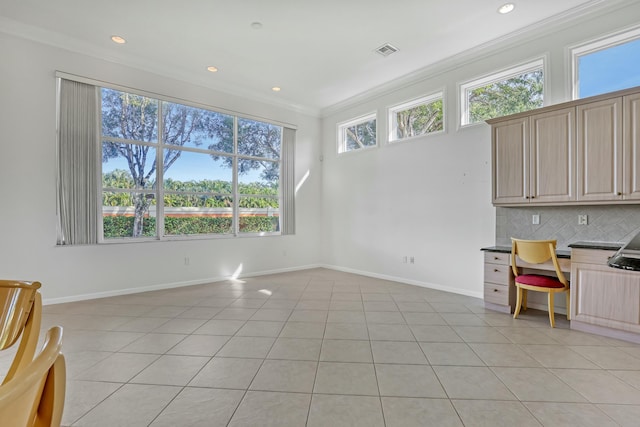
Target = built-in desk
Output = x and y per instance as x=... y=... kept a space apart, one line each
x=604 y=300
x=499 y=286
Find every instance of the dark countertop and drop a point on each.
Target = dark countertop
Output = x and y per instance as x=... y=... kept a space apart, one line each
x=507 y=250
x=608 y=246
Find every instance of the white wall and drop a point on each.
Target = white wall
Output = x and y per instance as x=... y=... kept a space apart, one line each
x=27 y=189
x=430 y=197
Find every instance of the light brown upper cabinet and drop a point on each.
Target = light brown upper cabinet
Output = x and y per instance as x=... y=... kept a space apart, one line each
x=600 y=150
x=631 y=126
x=579 y=152
x=534 y=158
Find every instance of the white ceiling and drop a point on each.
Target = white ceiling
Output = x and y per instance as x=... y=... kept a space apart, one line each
x=319 y=52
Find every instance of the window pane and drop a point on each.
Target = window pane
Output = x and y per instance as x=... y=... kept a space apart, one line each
x=128 y=165
x=258 y=139
x=360 y=135
x=513 y=95
x=197 y=214
x=194 y=127
x=610 y=69
x=129 y=116
x=188 y=171
x=260 y=173
x=419 y=120
x=259 y=215
x=119 y=216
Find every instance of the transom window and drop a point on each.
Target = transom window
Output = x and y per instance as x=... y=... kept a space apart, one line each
x=607 y=64
x=415 y=118
x=357 y=134
x=506 y=92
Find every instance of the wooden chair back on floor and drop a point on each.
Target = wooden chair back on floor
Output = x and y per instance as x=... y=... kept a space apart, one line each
x=34 y=397
x=20 y=316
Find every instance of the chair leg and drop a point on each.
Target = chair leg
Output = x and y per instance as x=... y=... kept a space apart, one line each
x=525 y=293
x=518 y=301
x=551 y=314
x=568 y=304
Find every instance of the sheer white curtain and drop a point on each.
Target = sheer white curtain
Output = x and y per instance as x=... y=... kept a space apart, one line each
x=77 y=163
x=287 y=181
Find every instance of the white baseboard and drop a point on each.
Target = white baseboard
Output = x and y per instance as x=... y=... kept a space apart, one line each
x=128 y=291
x=479 y=294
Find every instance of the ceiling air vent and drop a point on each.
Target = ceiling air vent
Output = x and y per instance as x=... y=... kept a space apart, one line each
x=386 y=49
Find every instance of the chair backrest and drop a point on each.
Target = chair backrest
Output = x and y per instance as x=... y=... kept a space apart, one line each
x=535 y=252
x=35 y=396
x=20 y=315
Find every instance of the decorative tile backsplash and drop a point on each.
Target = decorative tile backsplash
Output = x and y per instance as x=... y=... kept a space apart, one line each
x=604 y=224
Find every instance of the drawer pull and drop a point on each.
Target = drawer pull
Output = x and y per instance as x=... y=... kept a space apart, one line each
x=495 y=270
x=495 y=290
x=496 y=258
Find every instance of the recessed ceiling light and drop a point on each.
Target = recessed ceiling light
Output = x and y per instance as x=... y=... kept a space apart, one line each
x=118 y=39
x=212 y=69
x=256 y=25
x=506 y=8
x=276 y=89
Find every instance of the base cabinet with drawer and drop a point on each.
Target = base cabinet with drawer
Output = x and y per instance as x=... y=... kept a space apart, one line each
x=499 y=288
x=603 y=299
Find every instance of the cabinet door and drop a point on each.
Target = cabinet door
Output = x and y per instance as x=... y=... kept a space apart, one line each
x=605 y=296
x=631 y=125
x=510 y=145
x=600 y=150
x=553 y=156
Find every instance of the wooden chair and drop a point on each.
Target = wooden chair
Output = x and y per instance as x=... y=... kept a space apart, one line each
x=537 y=252
x=34 y=397
x=20 y=315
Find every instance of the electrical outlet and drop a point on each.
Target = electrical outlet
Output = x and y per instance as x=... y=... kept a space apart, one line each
x=412 y=260
x=582 y=220
x=535 y=219
x=186 y=260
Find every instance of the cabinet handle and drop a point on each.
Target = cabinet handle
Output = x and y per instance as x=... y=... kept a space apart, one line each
x=533 y=197
x=619 y=193
x=495 y=290
x=496 y=258
x=495 y=270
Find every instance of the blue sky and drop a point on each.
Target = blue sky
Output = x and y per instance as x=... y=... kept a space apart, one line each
x=610 y=69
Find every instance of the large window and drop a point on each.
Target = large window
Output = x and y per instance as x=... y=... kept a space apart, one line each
x=500 y=94
x=606 y=65
x=418 y=117
x=169 y=169
x=357 y=134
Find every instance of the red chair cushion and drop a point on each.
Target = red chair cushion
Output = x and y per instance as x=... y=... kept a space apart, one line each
x=539 y=280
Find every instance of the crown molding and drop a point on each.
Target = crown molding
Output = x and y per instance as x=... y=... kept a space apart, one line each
x=521 y=36
x=60 y=41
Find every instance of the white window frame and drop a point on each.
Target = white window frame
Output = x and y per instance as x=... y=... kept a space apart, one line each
x=424 y=100
x=504 y=74
x=342 y=126
x=602 y=43
x=159 y=192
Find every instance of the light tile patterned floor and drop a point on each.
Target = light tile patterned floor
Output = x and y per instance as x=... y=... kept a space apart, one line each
x=325 y=348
